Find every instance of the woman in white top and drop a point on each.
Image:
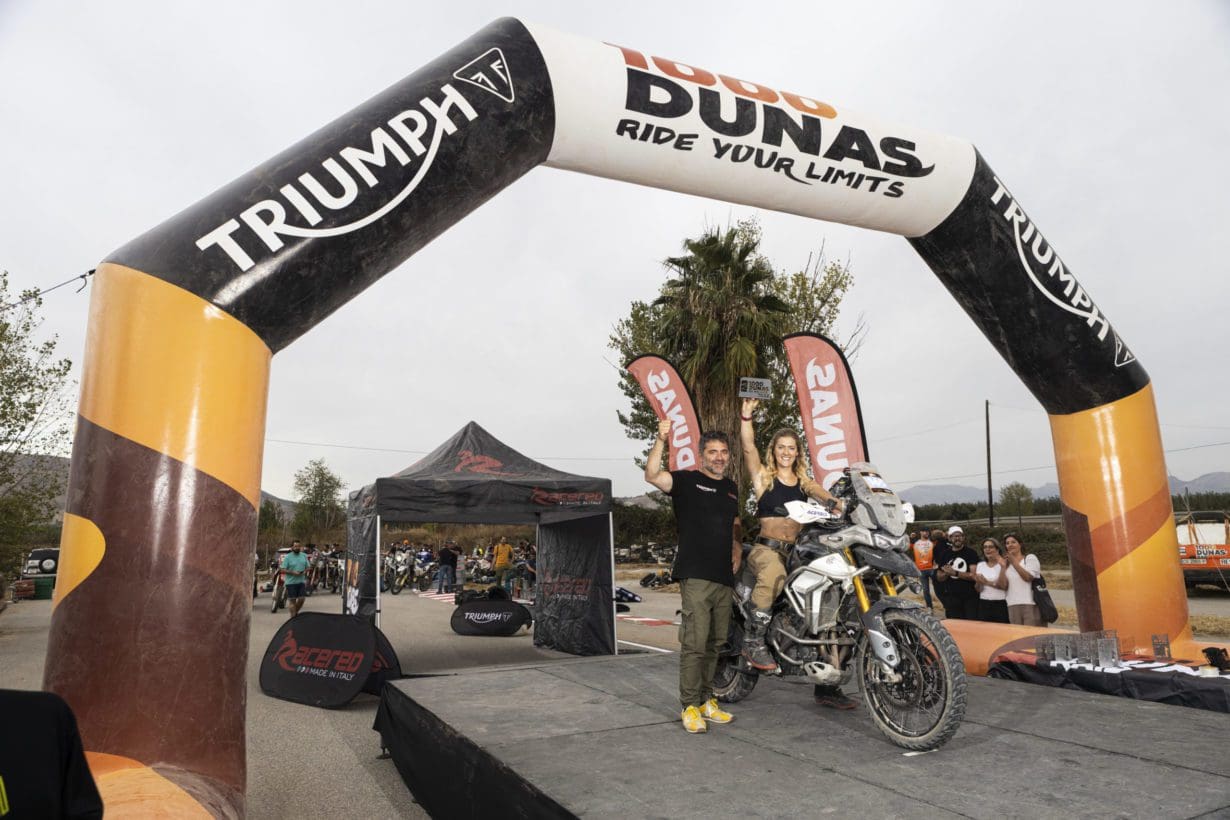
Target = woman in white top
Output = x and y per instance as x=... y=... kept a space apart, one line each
x=1021 y=570
x=992 y=583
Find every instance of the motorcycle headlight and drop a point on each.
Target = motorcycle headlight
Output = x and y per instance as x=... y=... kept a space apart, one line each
x=888 y=542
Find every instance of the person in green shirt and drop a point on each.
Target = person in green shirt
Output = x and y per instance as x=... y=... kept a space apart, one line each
x=294 y=575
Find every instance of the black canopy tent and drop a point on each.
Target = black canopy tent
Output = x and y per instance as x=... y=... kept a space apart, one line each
x=474 y=478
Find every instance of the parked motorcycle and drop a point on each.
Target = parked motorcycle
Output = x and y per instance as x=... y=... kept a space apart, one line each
x=426 y=572
x=402 y=575
x=279 y=592
x=839 y=616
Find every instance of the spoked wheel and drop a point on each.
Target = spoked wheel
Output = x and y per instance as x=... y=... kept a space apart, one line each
x=397 y=585
x=731 y=685
x=424 y=582
x=279 y=598
x=923 y=704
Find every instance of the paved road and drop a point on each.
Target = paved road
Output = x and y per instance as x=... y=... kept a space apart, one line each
x=305 y=762
x=309 y=762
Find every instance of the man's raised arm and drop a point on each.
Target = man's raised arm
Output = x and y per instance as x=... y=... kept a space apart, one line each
x=654 y=473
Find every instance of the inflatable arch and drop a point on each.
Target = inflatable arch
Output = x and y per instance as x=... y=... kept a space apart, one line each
x=150 y=626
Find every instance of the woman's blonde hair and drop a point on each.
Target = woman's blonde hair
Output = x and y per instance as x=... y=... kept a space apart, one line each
x=768 y=467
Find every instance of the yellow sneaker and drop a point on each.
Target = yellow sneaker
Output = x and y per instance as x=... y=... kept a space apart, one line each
x=713 y=713
x=692 y=721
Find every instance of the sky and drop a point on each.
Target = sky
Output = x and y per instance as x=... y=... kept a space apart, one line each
x=1106 y=119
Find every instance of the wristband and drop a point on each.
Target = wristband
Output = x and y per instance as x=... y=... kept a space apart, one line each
x=745 y=418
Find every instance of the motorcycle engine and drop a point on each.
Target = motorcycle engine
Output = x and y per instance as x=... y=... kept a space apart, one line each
x=799 y=653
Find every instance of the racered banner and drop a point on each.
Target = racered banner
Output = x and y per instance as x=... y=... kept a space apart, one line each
x=828 y=403
x=670 y=399
x=319 y=659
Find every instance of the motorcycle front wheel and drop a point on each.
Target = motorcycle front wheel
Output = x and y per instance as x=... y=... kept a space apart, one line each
x=922 y=709
x=397 y=585
x=424 y=582
x=731 y=685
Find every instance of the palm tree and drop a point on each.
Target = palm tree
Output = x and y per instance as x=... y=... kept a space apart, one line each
x=718 y=320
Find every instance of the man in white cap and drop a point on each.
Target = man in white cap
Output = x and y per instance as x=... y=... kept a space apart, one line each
x=954 y=576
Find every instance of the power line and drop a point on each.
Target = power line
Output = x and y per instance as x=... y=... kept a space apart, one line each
x=1043 y=467
x=32 y=296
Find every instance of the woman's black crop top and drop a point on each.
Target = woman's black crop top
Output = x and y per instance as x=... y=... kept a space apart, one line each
x=777 y=496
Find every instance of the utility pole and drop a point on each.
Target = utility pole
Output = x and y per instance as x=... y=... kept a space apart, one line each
x=990 y=492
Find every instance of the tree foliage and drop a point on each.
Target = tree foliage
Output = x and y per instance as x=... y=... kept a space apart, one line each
x=319 y=514
x=721 y=314
x=272 y=523
x=1016 y=499
x=35 y=422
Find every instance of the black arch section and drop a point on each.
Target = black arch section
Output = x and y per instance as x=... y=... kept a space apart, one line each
x=493 y=127
x=1012 y=283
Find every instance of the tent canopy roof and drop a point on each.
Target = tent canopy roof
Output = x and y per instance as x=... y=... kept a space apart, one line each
x=472 y=478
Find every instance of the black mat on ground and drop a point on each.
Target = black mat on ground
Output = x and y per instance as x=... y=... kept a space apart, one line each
x=1175 y=688
x=601 y=738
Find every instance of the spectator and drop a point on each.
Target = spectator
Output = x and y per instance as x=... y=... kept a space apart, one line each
x=954 y=578
x=294 y=573
x=448 y=568
x=1021 y=569
x=502 y=564
x=992 y=583
x=531 y=568
x=923 y=553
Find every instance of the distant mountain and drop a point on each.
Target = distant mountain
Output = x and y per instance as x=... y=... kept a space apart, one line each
x=943 y=494
x=1207 y=483
x=954 y=493
x=639 y=501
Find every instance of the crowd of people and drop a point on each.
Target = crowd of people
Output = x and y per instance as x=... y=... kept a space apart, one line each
x=451 y=564
x=995 y=586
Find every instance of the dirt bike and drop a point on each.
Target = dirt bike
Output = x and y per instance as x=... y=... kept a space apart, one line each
x=839 y=617
x=279 y=593
x=657 y=579
x=402 y=575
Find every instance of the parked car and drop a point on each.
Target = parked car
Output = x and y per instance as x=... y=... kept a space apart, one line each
x=42 y=561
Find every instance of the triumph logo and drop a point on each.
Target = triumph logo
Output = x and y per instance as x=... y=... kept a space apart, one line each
x=1048 y=274
x=395 y=158
x=490 y=73
x=487 y=617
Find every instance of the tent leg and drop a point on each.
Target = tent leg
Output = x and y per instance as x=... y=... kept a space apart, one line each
x=610 y=517
x=379 y=569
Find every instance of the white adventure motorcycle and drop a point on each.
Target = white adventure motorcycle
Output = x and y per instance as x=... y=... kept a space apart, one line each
x=839 y=616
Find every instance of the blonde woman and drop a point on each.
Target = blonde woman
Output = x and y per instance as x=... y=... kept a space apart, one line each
x=781 y=477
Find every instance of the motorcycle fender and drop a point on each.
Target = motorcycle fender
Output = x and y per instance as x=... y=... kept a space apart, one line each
x=882 y=645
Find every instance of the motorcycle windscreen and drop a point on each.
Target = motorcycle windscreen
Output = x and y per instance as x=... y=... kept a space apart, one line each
x=879 y=499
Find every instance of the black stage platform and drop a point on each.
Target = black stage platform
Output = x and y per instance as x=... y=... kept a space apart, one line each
x=600 y=737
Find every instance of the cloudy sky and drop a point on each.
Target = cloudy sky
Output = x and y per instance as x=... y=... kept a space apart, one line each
x=1106 y=119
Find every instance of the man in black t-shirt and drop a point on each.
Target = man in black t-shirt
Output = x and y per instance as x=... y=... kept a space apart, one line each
x=707 y=513
x=448 y=567
x=43 y=770
x=955 y=586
